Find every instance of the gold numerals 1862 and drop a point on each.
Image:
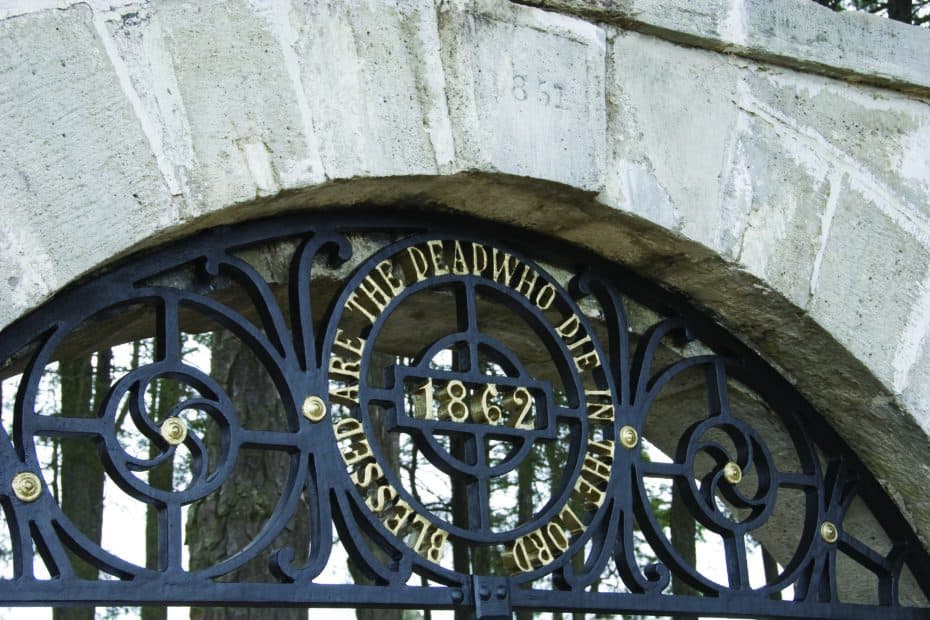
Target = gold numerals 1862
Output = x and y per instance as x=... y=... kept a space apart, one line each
x=483 y=404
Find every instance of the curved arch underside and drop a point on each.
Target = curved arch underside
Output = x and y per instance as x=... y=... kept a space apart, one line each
x=424 y=369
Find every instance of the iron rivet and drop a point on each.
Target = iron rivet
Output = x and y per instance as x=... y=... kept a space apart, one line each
x=27 y=486
x=174 y=430
x=457 y=596
x=628 y=437
x=484 y=592
x=501 y=592
x=314 y=408
x=828 y=532
x=732 y=472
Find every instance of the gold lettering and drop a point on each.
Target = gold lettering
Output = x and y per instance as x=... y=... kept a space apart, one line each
x=353 y=303
x=417 y=263
x=437 y=541
x=435 y=253
x=542 y=554
x=503 y=264
x=579 y=343
x=366 y=475
x=583 y=360
x=384 y=494
x=346 y=395
x=522 y=398
x=545 y=296
x=527 y=283
x=359 y=450
x=479 y=259
x=340 y=367
x=386 y=269
x=452 y=402
x=347 y=427
x=423 y=406
x=517 y=559
x=556 y=535
x=374 y=293
x=354 y=345
x=569 y=327
x=425 y=529
x=600 y=412
x=603 y=450
x=570 y=520
x=459 y=266
x=586 y=361
x=537 y=548
x=398 y=516
x=589 y=491
x=596 y=471
x=484 y=412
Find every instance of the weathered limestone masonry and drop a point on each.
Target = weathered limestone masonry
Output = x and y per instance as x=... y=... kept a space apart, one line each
x=767 y=157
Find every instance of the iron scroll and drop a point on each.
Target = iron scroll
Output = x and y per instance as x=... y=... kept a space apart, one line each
x=426 y=369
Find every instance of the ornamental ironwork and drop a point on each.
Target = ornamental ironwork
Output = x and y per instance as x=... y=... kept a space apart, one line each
x=471 y=417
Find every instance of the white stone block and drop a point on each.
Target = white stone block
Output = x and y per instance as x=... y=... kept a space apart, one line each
x=372 y=77
x=672 y=114
x=78 y=182
x=528 y=93
x=240 y=98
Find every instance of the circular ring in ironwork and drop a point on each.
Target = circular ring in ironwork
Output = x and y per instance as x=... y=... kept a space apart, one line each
x=454 y=410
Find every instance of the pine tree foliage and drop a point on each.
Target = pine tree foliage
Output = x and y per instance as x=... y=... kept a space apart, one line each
x=915 y=12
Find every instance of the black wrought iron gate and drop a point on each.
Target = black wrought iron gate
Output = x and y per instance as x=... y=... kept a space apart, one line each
x=475 y=417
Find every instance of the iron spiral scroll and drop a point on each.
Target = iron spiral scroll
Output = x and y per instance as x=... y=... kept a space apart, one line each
x=477 y=418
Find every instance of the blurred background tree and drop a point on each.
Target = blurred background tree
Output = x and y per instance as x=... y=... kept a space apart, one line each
x=915 y=12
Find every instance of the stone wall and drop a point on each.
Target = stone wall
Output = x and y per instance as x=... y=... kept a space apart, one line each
x=769 y=158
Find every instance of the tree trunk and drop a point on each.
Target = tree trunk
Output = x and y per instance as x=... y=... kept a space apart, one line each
x=227 y=520
x=392 y=453
x=460 y=553
x=556 y=456
x=901 y=10
x=167 y=396
x=356 y=573
x=81 y=471
x=525 y=475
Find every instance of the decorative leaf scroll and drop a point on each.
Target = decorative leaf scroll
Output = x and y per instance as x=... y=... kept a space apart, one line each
x=471 y=423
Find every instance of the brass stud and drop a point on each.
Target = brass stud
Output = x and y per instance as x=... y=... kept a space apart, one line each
x=732 y=472
x=27 y=486
x=828 y=532
x=314 y=408
x=174 y=430
x=628 y=437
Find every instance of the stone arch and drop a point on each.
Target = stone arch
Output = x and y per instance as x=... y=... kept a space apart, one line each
x=715 y=181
